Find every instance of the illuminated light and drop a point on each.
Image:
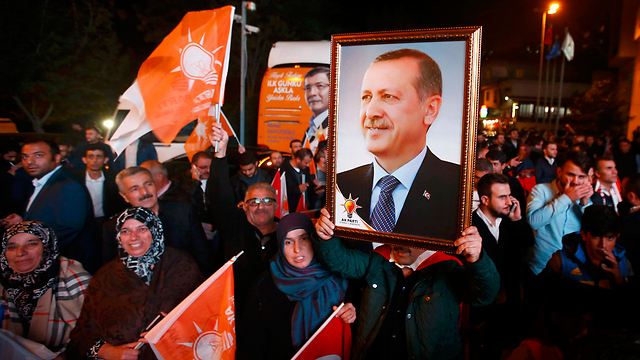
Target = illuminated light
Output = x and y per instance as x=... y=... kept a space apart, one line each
x=108 y=123
x=269 y=163
x=484 y=111
x=296 y=66
x=546 y=109
x=553 y=8
x=506 y=98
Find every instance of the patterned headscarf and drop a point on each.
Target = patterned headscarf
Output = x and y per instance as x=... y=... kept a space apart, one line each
x=314 y=288
x=26 y=289
x=142 y=265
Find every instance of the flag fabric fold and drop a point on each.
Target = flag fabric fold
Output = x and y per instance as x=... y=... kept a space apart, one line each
x=183 y=77
x=568 y=47
x=202 y=326
x=548 y=36
x=279 y=183
x=555 y=51
x=199 y=138
x=333 y=340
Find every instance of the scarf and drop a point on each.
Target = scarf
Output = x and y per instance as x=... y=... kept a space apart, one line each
x=314 y=289
x=142 y=265
x=27 y=288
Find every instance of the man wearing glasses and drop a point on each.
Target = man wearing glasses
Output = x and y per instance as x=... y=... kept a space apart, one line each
x=316 y=93
x=250 y=227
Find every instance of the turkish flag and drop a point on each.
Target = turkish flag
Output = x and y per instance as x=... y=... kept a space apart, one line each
x=331 y=340
x=187 y=72
x=202 y=326
x=279 y=183
x=199 y=138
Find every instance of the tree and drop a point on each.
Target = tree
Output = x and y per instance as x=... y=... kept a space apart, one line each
x=66 y=60
x=598 y=109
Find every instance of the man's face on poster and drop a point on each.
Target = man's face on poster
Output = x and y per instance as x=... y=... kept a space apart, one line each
x=393 y=116
x=316 y=93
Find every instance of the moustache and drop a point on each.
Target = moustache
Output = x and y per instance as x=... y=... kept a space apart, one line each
x=145 y=197
x=377 y=123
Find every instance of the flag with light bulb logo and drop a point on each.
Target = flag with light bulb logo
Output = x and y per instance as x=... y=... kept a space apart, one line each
x=186 y=74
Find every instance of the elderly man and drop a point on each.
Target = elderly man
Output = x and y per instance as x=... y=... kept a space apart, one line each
x=316 y=93
x=251 y=228
x=181 y=227
x=401 y=95
x=410 y=306
x=166 y=189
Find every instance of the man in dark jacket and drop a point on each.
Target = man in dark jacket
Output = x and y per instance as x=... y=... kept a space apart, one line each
x=410 y=305
x=248 y=175
x=251 y=229
x=59 y=201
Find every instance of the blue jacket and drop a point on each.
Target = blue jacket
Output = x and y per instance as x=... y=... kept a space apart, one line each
x=551 y=215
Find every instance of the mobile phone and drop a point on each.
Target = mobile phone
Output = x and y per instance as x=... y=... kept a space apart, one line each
x=148 y=328
x=513 y=207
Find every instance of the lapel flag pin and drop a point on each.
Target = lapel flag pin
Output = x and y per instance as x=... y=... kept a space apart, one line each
x=426 y=194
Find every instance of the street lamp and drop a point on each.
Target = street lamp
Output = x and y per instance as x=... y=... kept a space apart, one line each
x=553 y=8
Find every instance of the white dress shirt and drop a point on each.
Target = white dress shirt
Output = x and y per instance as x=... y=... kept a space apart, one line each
x=96 y=190
x=38 y=184
x=405 y=174
x=494 y=229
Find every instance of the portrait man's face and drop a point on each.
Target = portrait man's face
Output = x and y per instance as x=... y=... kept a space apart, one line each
x=393 y=116
x=316 y=92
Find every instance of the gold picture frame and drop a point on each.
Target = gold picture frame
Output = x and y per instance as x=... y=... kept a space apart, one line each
x=371 y=74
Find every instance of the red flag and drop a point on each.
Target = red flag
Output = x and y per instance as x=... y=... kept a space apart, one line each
x=548 y=36
x=199 y=138
x=187 y=72
x=202 y=326
x=302 y=203
x=333 y=338
x=280 y=184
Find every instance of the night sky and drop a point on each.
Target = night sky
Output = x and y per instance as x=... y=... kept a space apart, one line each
x=511 y=31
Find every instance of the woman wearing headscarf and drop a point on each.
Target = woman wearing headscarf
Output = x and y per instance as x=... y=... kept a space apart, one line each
x=127 y=293
x=41 y=292
x=288 y=304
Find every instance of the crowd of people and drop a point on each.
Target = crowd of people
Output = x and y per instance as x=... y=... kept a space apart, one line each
x=94 y=247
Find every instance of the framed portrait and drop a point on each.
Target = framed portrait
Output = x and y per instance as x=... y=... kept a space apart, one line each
x=403 y=113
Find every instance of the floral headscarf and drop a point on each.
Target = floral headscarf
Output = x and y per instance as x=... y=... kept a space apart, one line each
x=26 y=289
x=142 y=265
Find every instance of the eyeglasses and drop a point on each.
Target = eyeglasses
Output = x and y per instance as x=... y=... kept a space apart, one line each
x=319 y=86
x=257 y=201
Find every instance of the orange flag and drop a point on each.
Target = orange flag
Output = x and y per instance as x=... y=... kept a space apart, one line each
x=187 y=72
x=202 y=326
x=280 y=184
x=199 y=138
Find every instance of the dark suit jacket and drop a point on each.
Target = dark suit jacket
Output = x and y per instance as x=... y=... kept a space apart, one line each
x=112 y=202
x=508 y=251
x=146 y=151
x=182 y=230
x=64 y=204
x=433 y=215
x=293 y=189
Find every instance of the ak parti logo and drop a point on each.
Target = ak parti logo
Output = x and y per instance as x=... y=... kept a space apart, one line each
x=350 y=206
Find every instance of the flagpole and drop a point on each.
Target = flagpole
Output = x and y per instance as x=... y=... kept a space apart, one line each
x=553 y=92
x=560 y=94
x=546 y=88
x=217 y=112
x=544 y=24
x=233 y=259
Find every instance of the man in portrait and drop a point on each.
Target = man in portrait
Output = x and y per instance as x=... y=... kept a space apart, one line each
x=316 y=93
x=407 y=189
